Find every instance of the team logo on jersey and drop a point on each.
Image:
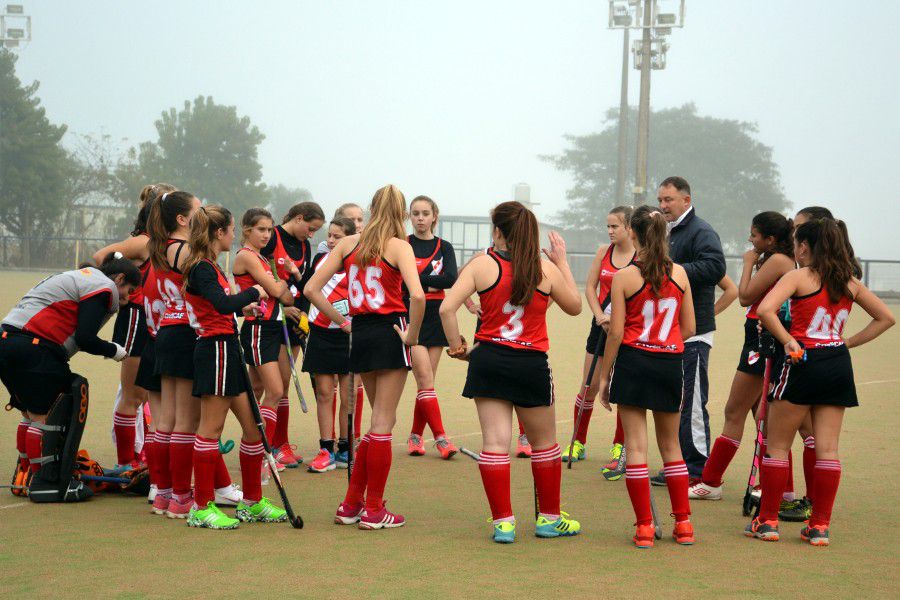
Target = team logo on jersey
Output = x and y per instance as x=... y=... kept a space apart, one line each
x=752 y=357
x=281 y=261
x=437 y=266
x=604 y=273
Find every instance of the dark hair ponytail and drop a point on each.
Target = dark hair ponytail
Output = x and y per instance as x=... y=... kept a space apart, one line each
x=775 y=225
x=830 y=256
x=146 y=197
x=820 y=212
x=163 y=220
x=346 y=224
x=114 y=264
x=520 y=228
x=310 y=211
x=649 y=225
x=208 y=220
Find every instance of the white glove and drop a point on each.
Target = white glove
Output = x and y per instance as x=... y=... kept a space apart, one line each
x=120 y=354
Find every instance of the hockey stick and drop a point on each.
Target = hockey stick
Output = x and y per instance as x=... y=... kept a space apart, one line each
x=657 y=530
x=584 y=391
x=469 y=453
x=351 y=435
x=287 y=344
x=296 y=521
x=767 y=349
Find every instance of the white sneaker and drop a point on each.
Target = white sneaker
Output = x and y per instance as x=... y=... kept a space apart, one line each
x=701 y=491
x=229 y=495
x=152 y=495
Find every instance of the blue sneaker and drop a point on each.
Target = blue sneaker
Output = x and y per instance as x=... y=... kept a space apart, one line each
x=341 y=459
x=561 y=527
x=323 y=462
x=505 y=532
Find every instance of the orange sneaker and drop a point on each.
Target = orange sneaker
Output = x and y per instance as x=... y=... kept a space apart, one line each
x=643 y=536
x=415 y=445
x=446 y=448
x=684 y=533
x=523 y=448
x=816 y=536
x=764 y=530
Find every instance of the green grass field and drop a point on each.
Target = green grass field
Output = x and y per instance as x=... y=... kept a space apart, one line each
x=112 y=546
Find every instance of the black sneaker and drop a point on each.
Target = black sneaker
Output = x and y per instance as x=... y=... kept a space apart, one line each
x=816 y=536
x=807 y=507
x=659 y=479
x=764 y=530
x=793 y=511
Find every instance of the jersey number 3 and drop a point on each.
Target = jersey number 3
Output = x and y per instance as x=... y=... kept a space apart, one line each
x=373 y=294
x=513 y=327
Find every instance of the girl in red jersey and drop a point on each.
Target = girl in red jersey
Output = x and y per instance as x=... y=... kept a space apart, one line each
x=817 y=375
x=261 y=335
x=609 y=259
x=129 y=331
x=508 y=366
x=379 y=262
x=436 y=263
x=327 y=357
x=770 y=257
x=219 y=377
x=289 y=245
x=652 y=315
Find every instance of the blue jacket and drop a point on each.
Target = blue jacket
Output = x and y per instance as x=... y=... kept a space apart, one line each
x=695 y=245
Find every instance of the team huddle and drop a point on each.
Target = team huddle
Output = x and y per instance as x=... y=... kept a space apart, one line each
x=372 y=304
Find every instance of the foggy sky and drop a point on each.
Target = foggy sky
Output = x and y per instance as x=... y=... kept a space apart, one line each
x=457 y=99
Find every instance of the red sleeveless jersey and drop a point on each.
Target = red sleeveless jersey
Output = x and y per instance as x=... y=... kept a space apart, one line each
x=154 y=306
x=816 y=321
x=373 y=289
x=282 y=259
x=137 y=296
x=751 y=310
x=605 y=277
x=436 y=260
x=502 y=323
x=651 y=320
x=269 y=306
x=169 y=283
x=205 y=319
x=335 y=291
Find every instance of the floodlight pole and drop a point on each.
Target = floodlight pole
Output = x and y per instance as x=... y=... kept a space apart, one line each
x=622 y=168
x=640 y=171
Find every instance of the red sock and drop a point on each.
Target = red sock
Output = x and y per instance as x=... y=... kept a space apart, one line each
x=222 y=477
x=677 y=483
x=251 y=470
x=33 y=447
x=724 y=449
x=123 y=425
x=21 y=441
x=356 y=491
x=358 y=412
x=431 y=410
x=585 y=421
x=149 y=440
x=270 y=420
x=809 y=465
x=546 y=468
x=494 y=468
x=789 y=489
x=521 y=429
x=637 y=480
x=181 y=456
x=619 y=435
x=281 y=423
x=827 y=479
x=205 y=451
x=419 y=421
x=379 y=466
x=773 y=477
x=161 y=447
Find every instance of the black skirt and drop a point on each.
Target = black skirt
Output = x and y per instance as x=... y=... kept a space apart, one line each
x=596 y=335
x=825 y=377
x=374 y=345
x=432 y=332
x=218 y=370
x=174 y=351
x=649 y=380
x=130 y=329
x=327 y=351
x=146 y=374
x=522 y=377
x=261 y=341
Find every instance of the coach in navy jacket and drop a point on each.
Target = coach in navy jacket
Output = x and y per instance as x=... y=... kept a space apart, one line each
x=694 y=245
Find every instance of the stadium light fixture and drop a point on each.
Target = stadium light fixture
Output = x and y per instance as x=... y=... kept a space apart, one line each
x=15 y=26
x=15 y=9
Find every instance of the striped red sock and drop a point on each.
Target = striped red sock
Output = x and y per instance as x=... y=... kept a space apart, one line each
x=677 y=484
x=419 y=421
x=356 y=491
x=21 y=443
x=619 y=435
x=827 y=479
x=788 y=493
x=221 y=478
x=494 y=469
x=773 y=477
x=123 y=426
x=637 y=480
x=809 y=465
x=282 y=416
x=270 y=420
x=546 y=468
x=205 y=451
x=379 y=466
x=584 y=423
x=181 y=456
x=33 y=447
x=431 y=410
x=723 y=451
x=251 y=470
x=358 y=411
x=149 y=441
x=161 y=447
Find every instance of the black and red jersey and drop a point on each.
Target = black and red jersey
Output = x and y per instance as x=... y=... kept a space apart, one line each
x=605 y=277
x=373 y=289
x=436 y=263
x=519 y=327
x=335 y=291
x=816 y=321
x=244 y=281
x=285 y=249
x=137 y=297
x=652 y=320
x=169 y=284
x=154 y=306
x=209 y=302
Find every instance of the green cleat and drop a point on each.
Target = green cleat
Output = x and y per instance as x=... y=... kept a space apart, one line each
x=505 y=532
x=211 y=518
x=792 y=510
x=260 y=512
x=615 y=468
x=562 y=527
x=576 y=450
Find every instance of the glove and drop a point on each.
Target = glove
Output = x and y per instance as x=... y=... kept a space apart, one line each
x=120 y=354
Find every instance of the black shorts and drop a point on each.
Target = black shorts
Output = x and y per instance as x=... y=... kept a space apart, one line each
x=174 y=351
x=130 y=329
x=261 y=341
x=146 y=374
x=596 y=334
x=432 y=332
x=218 y=370
x=826 y=377
x=522 y=377
x=650 y=380
x=296 y=338
x=34 y=374
x=327 y=351
x=375 y=345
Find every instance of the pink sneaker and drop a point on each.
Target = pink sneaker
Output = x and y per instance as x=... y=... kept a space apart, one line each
x=347 y=514
x=180 y=510
x=286 y=456
x=383 y=519
x=324 y=461
x=160 y=504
